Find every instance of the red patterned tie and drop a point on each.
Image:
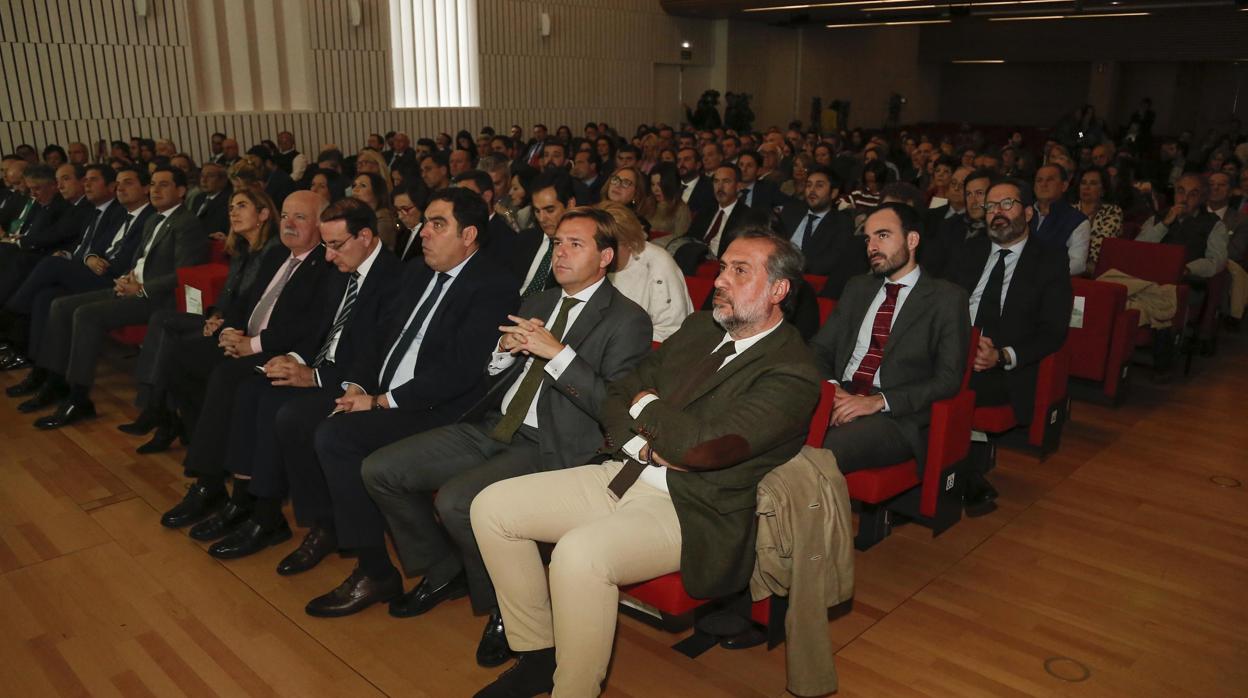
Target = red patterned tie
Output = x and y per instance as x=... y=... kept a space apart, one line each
x=864 y=377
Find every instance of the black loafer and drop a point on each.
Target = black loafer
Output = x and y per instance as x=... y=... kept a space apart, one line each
x=425 y=596
x=68 y=413
x=493 y=649
x=315 y=546
x=533 y=674
x=15 y=362
x=222 y=522
x=144 y=423
x=980 y=497
x=47 y=396
x=161 y=441
x=198 y=503
x=357 y=593
x=248 y=539
x=28 y=385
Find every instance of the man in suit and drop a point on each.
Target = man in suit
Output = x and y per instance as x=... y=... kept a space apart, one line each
x=211 y=202
x=34 y=232
x=586 y=170
x=1220 y=203
x=896 y=343
x=554 y=156
x=759 y=194
x=823 y=234
x=702 y=198
x=1020 y=298
x=690 y=433
x=533 y=151
x=274 y=314
x=435 y=171
x=496 y=229
x=277 y=184
x=407 y=242
x=570 y=342
x=713 y=229
x=291 y=161
x=689 y=167
x=216 y=150
x=65 y=272
x=527 y=254
x=422 y=372
x=1058 y=223
x=402 y=157
x=71 y=344
x=13 y=201
x=950 y=224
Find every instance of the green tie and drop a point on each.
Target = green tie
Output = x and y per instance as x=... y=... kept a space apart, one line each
x=519 y=407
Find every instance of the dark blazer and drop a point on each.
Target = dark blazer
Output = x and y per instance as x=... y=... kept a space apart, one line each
x=924 y=359
x=703 y=196
x=750 y=417
x=405 y=162
x=588 y=194
x=215 y=215
x=41 y=230
x=401 y=249
x=298 y=309
x=1036 y=313
x=740 y=217
x=111 y=220
x=461 y=336
x=767 y=197
x=372 y=306
x=517 y=252
x=278 y=187
x=942 y=241
x=124 y=258
x=181 y=242
x=832 y=250
x=610 y=336
x=11 y=205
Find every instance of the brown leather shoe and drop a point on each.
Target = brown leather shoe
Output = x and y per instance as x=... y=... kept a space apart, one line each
x=319 y=543
x=357 y=593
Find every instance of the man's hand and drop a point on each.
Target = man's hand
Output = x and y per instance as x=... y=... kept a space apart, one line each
x=531 y=337
x=360 y=402
x=99 y=265
x=217 y=236
x=986 y=355
x=235 y=343
x=126 y=286
x=846 y=407
x=65 y=254
x=213 y=324
x=289 y=373
x=1174 y=212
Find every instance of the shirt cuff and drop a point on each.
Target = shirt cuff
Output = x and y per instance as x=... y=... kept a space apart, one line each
x=297 y=358
x=557 y=365
x=316 y=373
x=1010 y=359
x=500 y=361
x=256 y=348
x=886 y=407
x=346 y=384
x=633 y=448
x=636 y=410
x=390 y=401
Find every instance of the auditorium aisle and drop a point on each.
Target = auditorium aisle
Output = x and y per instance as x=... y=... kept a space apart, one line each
x=1120 y=564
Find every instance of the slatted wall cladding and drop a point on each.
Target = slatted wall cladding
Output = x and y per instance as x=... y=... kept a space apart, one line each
x=80 y=70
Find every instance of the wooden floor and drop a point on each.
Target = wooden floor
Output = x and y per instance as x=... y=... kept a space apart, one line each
x=1119 y=564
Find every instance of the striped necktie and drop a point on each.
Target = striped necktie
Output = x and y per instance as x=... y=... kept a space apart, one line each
x=864 y=376
x=344 y=314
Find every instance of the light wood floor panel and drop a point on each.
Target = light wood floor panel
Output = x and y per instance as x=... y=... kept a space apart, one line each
x=1117 y=553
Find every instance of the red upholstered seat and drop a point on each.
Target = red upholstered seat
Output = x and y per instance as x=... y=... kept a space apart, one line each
x=826 y=306
x=708 y=269
x=1162 y=264
x=208 y=278
x=880 y=484
x=1049 y=411
x=700 y=288
x=130 y=335
x=656 y=234
x=1102 y=346
x=666 y=593
x=995 y=420
x=216 y=252
x=816 y=281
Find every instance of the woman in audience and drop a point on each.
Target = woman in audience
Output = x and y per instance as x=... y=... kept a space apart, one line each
x=253 y=221
x=606 y=152
x=324 y=184
x=823 y=154
x=370 y=188
x=463 y=141
x=371 y=161
x=1106 y=218
x=866 y=197
x=796 y=185
x=649 y=152
x=667 y=211
x=627 y=186
x=518 y=209
x=942 y=174
x=647 y=275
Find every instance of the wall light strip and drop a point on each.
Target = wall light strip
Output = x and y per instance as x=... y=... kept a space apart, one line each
x=993 y=3
x=984 y=61
x=822 y=5
x=1091 y=16
x=888 y=24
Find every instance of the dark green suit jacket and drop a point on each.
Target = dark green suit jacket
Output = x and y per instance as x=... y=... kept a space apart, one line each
x=750 y=417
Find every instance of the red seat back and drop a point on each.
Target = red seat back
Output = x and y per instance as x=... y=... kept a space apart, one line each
x=707 y=270
x=826 y=306
x=1163 y=264
x=1102 y=304
x=948 y=442
x=208 y=278
x=816 y=281
x=216 y=252
x=822 y=417
x=1051 y=384
x=700 y=288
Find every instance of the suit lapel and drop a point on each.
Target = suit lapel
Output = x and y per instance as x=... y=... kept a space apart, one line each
x=589 y=318
x=738 y=364
x=916 y=303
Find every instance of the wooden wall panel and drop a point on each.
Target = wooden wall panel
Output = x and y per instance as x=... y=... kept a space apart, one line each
x=90 y=69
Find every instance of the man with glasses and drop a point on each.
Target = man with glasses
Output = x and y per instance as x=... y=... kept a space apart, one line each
x=1020 y=298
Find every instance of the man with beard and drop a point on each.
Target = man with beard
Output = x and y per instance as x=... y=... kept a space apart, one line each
x=824 y=235
x=690 y=433
x=1020 y=298
x=896 y=343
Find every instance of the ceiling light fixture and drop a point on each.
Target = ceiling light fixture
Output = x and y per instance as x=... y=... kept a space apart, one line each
x=1100 y=15
x=982 y=61
x=823 y=5
x=887 y=24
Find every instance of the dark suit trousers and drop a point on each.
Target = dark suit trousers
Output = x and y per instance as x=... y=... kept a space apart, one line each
x=15 y=265
x=992 y=387
x=167 y=331
x=211 y=412
x=342 y=444
x=72 y=340
x=874 y=441
x=457 y=462
x=53 y=278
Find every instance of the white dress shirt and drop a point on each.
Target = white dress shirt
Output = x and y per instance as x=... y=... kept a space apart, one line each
x=537 y=262
x=147 y=247
x=863 y=343
x=714 y=243
x=1011 y=263
x=502 y=360
x=656 y=476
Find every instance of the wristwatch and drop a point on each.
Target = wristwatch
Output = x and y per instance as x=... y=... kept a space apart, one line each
x=1002 y=358
x=376 y=403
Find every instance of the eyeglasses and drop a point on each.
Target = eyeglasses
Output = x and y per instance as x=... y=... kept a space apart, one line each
x=620 y=181
x=1003 y=204
x=337 y=245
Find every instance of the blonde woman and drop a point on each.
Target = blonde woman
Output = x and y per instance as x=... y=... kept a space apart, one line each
x=647 y=275
x=628 y=185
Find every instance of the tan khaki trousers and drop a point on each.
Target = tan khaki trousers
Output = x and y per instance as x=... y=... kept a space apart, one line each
x=1239 y=289
x=600 y=544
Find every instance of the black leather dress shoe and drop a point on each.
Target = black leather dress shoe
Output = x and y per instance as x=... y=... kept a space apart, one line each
x=533 y=674
x=751 y=637
x=357 y=593
x=144 y=423
x=248 y=539
x=425 y=596
x=28 y=385
x=162 y=440
x=15 y=362
x=47 y=396
x=315 y=546
x=980 y=497
x=68 y=413
x=222 y=521
x=198 y=502
x=493 y=649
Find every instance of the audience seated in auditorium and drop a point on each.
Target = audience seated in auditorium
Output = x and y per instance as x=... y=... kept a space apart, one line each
x=647 y=275
x=1056 y=222
x=1104 y=218
x=714 y=228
